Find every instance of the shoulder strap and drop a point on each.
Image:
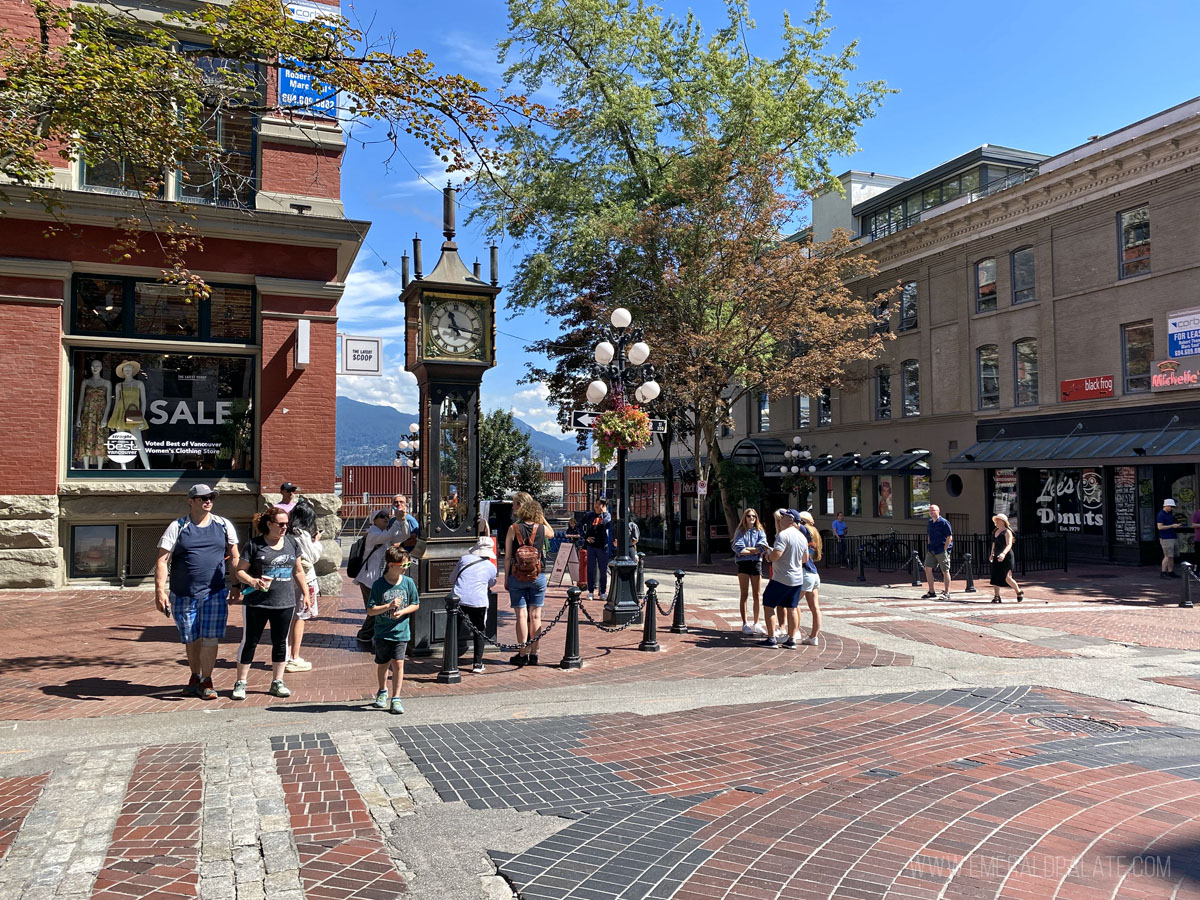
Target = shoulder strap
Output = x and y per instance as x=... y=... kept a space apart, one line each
x=467 y=566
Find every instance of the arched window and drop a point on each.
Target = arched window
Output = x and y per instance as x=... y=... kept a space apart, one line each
x=1025 y=372
x=883 y=393
x=985 y=284
x=910 y=387
x=989 y=376
x=1023 y=271
x=908 y=306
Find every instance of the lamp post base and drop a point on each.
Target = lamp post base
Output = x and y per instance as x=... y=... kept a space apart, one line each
x=622 y=605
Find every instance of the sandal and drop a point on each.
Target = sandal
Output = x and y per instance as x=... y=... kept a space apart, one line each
x=1020 y=596
x=996 y=599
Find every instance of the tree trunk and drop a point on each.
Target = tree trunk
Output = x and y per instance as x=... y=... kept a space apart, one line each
x=701 y=475
x=669 y=487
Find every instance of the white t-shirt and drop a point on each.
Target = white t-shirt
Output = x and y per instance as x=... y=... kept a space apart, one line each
x=789 y=568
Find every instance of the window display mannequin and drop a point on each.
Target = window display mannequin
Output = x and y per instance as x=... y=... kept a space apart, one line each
x=95 y=395
x=129 y=407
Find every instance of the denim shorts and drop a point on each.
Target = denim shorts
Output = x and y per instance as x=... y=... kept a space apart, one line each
x=526 y=593
x=812 y=581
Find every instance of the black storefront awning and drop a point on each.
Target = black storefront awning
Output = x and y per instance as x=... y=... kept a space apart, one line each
x=1123 y=447
x=910 y=463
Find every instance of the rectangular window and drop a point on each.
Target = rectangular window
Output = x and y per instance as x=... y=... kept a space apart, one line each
x=128 y=307
x=1025 y=371
x=827 y=483
x=94 y=551
x=152 y=414
x=883 y=393
x=229 y=179
x=912 y=208
x=803 y=418
x=908 y=306
x=1022 y=276
x=931 y=197
x=918 y=496
x=883 y=496
x=854 y=494
x=985 y=285
x=910 y=387
x=825 y=407
x=120 y=176
x=989 y=376
x=1135 y=241
x=764 y=412
x=970 y=181
x=951 y=188
x=1138 y=351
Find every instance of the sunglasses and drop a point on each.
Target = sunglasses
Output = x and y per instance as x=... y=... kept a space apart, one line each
x=282 y=524
x=208 y=499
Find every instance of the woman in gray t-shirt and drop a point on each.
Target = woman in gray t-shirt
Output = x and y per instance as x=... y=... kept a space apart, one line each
x=787 y=557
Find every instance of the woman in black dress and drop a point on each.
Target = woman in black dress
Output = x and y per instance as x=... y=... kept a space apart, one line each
x=1001 y=559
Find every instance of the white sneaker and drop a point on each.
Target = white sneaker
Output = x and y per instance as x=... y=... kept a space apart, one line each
x=810 y=641
x=944 y=595
x=296 y=664
x=747 y=629
x=780 y=633
x=760 y=628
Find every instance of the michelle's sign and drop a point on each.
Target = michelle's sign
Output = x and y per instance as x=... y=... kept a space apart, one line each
x=1176 y=374
x=1092 y=388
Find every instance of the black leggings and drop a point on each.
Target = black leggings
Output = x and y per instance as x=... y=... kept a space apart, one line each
x=256 y=619
x=478 y=617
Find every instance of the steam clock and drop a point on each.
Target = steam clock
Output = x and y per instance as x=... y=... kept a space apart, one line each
x=450 y=333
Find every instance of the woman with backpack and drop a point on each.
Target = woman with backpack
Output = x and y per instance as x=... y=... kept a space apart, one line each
x=525 y=572
x=384 y=531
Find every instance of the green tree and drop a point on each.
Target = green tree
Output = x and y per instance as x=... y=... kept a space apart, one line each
x=95 y=82
x=506 y=460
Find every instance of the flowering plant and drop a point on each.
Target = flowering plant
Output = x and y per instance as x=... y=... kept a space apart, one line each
x=621 y=428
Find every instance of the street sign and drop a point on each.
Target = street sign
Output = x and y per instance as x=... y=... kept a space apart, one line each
x=702 y=488
x=585 y=420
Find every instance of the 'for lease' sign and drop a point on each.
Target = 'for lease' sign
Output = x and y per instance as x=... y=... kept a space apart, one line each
x=1183 y=333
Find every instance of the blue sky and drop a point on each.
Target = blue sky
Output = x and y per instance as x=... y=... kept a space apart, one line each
x=1035 y=76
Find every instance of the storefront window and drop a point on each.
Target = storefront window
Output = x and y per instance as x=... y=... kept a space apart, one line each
x=1004 y=492
x=918 y=494
x=127 y=307
x=1071 y=501
x=1183 y=492
x=139 y=412
x=854 y=498
x=883 y=496
x=94 y=551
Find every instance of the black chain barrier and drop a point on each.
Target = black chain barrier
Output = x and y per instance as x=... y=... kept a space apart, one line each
x=613 y=629
x=514 y=648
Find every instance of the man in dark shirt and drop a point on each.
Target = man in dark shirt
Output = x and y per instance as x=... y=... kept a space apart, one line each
x=1168 y=538
x=939 y=537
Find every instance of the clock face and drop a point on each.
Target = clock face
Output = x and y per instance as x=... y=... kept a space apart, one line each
x=456 y=327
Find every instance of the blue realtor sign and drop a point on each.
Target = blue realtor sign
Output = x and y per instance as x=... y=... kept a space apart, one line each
x=296 y=89
x=1183 y=333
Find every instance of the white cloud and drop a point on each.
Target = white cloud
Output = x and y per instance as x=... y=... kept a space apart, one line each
x=370 y=297
x=398 y=390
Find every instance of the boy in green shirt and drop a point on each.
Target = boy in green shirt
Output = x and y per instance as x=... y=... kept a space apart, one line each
x=393 y=599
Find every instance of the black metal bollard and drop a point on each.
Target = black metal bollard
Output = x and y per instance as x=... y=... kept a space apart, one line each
x=650 y=619
x=571 y=658
x=970 y=588
x=862 y=564
x=640 y=583
x=677 y=623
x=915 y=565
x=449 y=673
x=1185 y=601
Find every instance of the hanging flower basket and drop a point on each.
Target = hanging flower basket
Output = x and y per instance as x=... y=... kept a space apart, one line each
x=625 y=428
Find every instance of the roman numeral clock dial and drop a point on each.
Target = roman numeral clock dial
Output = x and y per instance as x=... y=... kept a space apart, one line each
x=456 y=328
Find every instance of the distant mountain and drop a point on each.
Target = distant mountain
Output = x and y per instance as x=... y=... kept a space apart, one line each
x=367 y=436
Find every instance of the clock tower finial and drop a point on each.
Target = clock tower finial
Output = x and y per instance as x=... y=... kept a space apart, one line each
x=448 y=200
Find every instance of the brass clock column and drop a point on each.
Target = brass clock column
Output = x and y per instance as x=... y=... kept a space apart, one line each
x=450 y=341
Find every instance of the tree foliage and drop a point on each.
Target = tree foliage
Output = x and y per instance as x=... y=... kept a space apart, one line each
x=95 y=82
x=506 y=459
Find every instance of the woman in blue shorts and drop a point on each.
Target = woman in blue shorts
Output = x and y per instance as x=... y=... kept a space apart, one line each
x=783 y=591
x=526 y=595
x=812 y=581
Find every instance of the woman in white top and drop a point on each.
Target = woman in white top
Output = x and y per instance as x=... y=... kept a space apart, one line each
x=787 y=558
x=474 y=575
x=383 y=532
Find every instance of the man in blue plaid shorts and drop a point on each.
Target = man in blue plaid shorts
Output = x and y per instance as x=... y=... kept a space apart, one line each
x=196 y=546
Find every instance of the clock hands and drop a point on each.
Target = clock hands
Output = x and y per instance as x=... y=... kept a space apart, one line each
x=454 y=324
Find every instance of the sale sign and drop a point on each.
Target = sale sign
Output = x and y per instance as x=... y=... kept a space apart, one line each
x=1091 y=388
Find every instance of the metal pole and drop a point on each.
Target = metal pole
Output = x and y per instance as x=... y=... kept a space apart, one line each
x=640 y=590
x=862 y=563
x=678 y=625
x=571 y=658
x=915 y=564
x=970 y=588
x=1185 y=602
x=449 y=673
x=650 y=619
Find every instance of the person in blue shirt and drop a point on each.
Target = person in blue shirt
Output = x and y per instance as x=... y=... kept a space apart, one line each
x=839 y=529
x=749 y=545
x=597 y=536
x=1168 y=538
x=939 y=537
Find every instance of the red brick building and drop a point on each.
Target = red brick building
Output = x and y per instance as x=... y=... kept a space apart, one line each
x=237 y=391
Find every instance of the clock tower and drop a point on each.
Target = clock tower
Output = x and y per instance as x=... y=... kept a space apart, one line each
x=450 y=341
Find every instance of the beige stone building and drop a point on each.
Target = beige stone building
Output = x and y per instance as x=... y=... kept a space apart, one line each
x=1046 y=346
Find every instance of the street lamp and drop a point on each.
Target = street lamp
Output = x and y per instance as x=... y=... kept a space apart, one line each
x=409 y=454
x=621 y=356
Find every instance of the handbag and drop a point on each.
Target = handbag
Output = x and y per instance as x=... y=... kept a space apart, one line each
x=133 y=414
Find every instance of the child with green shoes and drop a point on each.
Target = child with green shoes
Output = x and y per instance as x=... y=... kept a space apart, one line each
x=392 y=601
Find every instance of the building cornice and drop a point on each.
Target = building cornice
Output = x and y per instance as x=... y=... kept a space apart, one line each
x=297 y=287
x=22 y=267
x=315 y=135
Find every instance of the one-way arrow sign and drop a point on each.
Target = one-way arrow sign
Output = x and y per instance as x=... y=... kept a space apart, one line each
x=585 y=420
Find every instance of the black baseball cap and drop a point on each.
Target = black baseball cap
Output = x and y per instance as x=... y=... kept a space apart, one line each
x=288 y=486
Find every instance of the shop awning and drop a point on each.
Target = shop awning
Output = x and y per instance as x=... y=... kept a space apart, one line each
x=1124 y=448
x=910 y=463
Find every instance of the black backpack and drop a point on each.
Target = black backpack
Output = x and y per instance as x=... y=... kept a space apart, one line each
x=355 y=562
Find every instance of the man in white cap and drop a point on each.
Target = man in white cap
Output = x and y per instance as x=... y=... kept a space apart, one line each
x=196 y=545
x=1168 y=539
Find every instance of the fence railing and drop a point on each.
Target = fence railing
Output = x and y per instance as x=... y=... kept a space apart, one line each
x=892 y=552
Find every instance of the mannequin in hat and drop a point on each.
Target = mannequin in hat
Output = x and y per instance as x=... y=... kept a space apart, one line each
x=129 y=407
x=95 y=396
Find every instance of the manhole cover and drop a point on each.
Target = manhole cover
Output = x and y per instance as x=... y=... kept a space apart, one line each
x=1074 y=725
